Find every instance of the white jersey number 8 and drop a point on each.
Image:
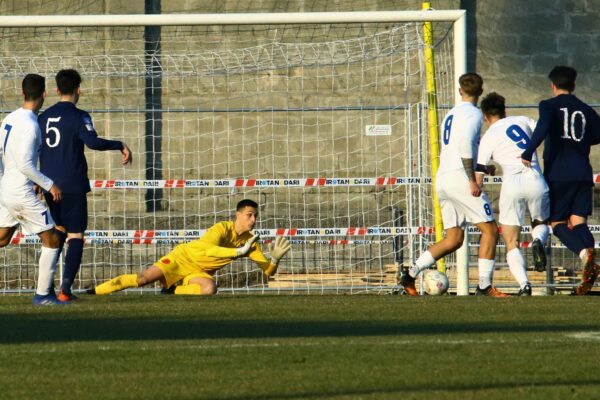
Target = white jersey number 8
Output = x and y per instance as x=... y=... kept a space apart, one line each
x=53 y=129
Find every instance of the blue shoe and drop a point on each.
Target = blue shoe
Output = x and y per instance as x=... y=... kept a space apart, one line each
x=47 y=300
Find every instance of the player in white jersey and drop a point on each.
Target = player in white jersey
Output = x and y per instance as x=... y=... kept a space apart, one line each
x=461 y=198
x=20 y=141
x=522 y=188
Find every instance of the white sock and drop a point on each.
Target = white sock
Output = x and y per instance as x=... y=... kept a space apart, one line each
x=541 y=232
x=516 y=264
x=424 y=261
x=47 y=268
x=486 y=272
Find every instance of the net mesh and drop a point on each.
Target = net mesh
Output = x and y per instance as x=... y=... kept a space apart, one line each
x=323 y=125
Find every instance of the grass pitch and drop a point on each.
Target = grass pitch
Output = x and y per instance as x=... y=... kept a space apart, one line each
x=300 y=347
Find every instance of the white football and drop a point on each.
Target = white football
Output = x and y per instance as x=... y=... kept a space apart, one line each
x=435 y=282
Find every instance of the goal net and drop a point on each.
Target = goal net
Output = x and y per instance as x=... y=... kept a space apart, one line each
x=323 y=124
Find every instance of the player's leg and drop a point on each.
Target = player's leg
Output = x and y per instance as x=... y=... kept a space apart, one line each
x=487 y=259
x=453 y=221
x=71 y=216
x=450 y=243
x=197 y=284
x=582 y=207
x=35 y=218
x=571 y=203
x=6 y=233
x=127 y=281
x=51 y=243
x=8 y=226
x=538 y=204
x=513 y=206
x=515 y=259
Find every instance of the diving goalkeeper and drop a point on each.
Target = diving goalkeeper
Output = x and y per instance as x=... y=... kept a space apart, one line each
x=195 y=263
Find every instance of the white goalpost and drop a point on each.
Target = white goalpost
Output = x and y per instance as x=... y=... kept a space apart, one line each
x=319 y=117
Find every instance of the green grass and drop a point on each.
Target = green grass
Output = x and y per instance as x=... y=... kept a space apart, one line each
x=300 y=347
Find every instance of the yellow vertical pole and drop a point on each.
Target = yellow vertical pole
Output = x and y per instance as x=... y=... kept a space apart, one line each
x=434 y=147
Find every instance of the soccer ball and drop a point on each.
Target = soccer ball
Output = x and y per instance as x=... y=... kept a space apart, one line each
x=435 y=282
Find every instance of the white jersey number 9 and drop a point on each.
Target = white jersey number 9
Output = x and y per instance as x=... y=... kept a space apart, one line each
x=54 y=130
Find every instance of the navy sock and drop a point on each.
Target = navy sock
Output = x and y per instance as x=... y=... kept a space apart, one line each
x=586 y=236
x=569 y=238
x=72 y=263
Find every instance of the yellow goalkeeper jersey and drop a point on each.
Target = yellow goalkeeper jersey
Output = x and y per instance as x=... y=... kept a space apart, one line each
x=217 y=248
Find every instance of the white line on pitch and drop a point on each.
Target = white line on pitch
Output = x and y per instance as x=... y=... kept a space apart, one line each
x=68 y=347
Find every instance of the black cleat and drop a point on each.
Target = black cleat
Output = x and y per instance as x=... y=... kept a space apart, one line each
x=408 y=282
x=525 y=291
x=170 y=290
x=91 y=291
x=539 y=255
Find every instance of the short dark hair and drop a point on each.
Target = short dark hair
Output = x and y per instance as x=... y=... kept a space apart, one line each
x=67 y=81
x=563 y=77
x=494 y=104
x=246 y=203
x=471 y=84
x=33 y=86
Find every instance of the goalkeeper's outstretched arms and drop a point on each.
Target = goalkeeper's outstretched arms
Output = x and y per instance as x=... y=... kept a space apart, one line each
x=278 y=249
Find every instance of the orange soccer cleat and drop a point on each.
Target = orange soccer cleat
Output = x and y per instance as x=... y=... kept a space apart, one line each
x=588 y=277
x=490 y=291
x=408 y=282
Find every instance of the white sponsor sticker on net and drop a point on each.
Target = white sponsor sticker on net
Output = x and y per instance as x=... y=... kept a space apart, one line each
x=378 y=130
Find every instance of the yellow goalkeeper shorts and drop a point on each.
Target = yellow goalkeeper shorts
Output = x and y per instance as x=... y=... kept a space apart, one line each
x=175 y=268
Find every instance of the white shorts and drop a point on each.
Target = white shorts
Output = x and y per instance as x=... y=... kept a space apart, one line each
x=458 y=206
x=522 y=192
x=26 y=210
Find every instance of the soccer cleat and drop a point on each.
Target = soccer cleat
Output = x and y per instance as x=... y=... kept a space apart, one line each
x=525 y=291
x=490 y=291
x=408 y=282
x=91 y=291
x=169 y=290
x=589 y=275
x=539 y=255
x=47 y=300
x=63 y=296
x=588 y=260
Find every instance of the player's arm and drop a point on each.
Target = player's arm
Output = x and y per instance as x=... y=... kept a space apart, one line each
x=26 y=159
x=277 y=249
x=87 y=133
x=595 y=127
x=209 y=243
x=466 y=144
x=539 y=134
x=484 y=156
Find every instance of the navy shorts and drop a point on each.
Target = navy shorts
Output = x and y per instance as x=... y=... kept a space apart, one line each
x=570 y=198
x=70 y=212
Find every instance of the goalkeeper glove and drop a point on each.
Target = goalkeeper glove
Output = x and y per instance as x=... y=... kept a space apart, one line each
x=278 y=249
x=242 y=251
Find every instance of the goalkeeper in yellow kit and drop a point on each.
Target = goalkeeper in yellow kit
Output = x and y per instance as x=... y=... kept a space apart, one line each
x=195 y=263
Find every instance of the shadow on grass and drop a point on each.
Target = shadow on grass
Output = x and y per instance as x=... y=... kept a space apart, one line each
x=16 y=328
x=573 y=386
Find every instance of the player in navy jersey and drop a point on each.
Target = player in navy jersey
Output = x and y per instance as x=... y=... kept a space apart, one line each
x=568 y=127
x=65 y=131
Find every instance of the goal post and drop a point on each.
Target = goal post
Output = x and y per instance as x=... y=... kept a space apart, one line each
x=320 y=117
